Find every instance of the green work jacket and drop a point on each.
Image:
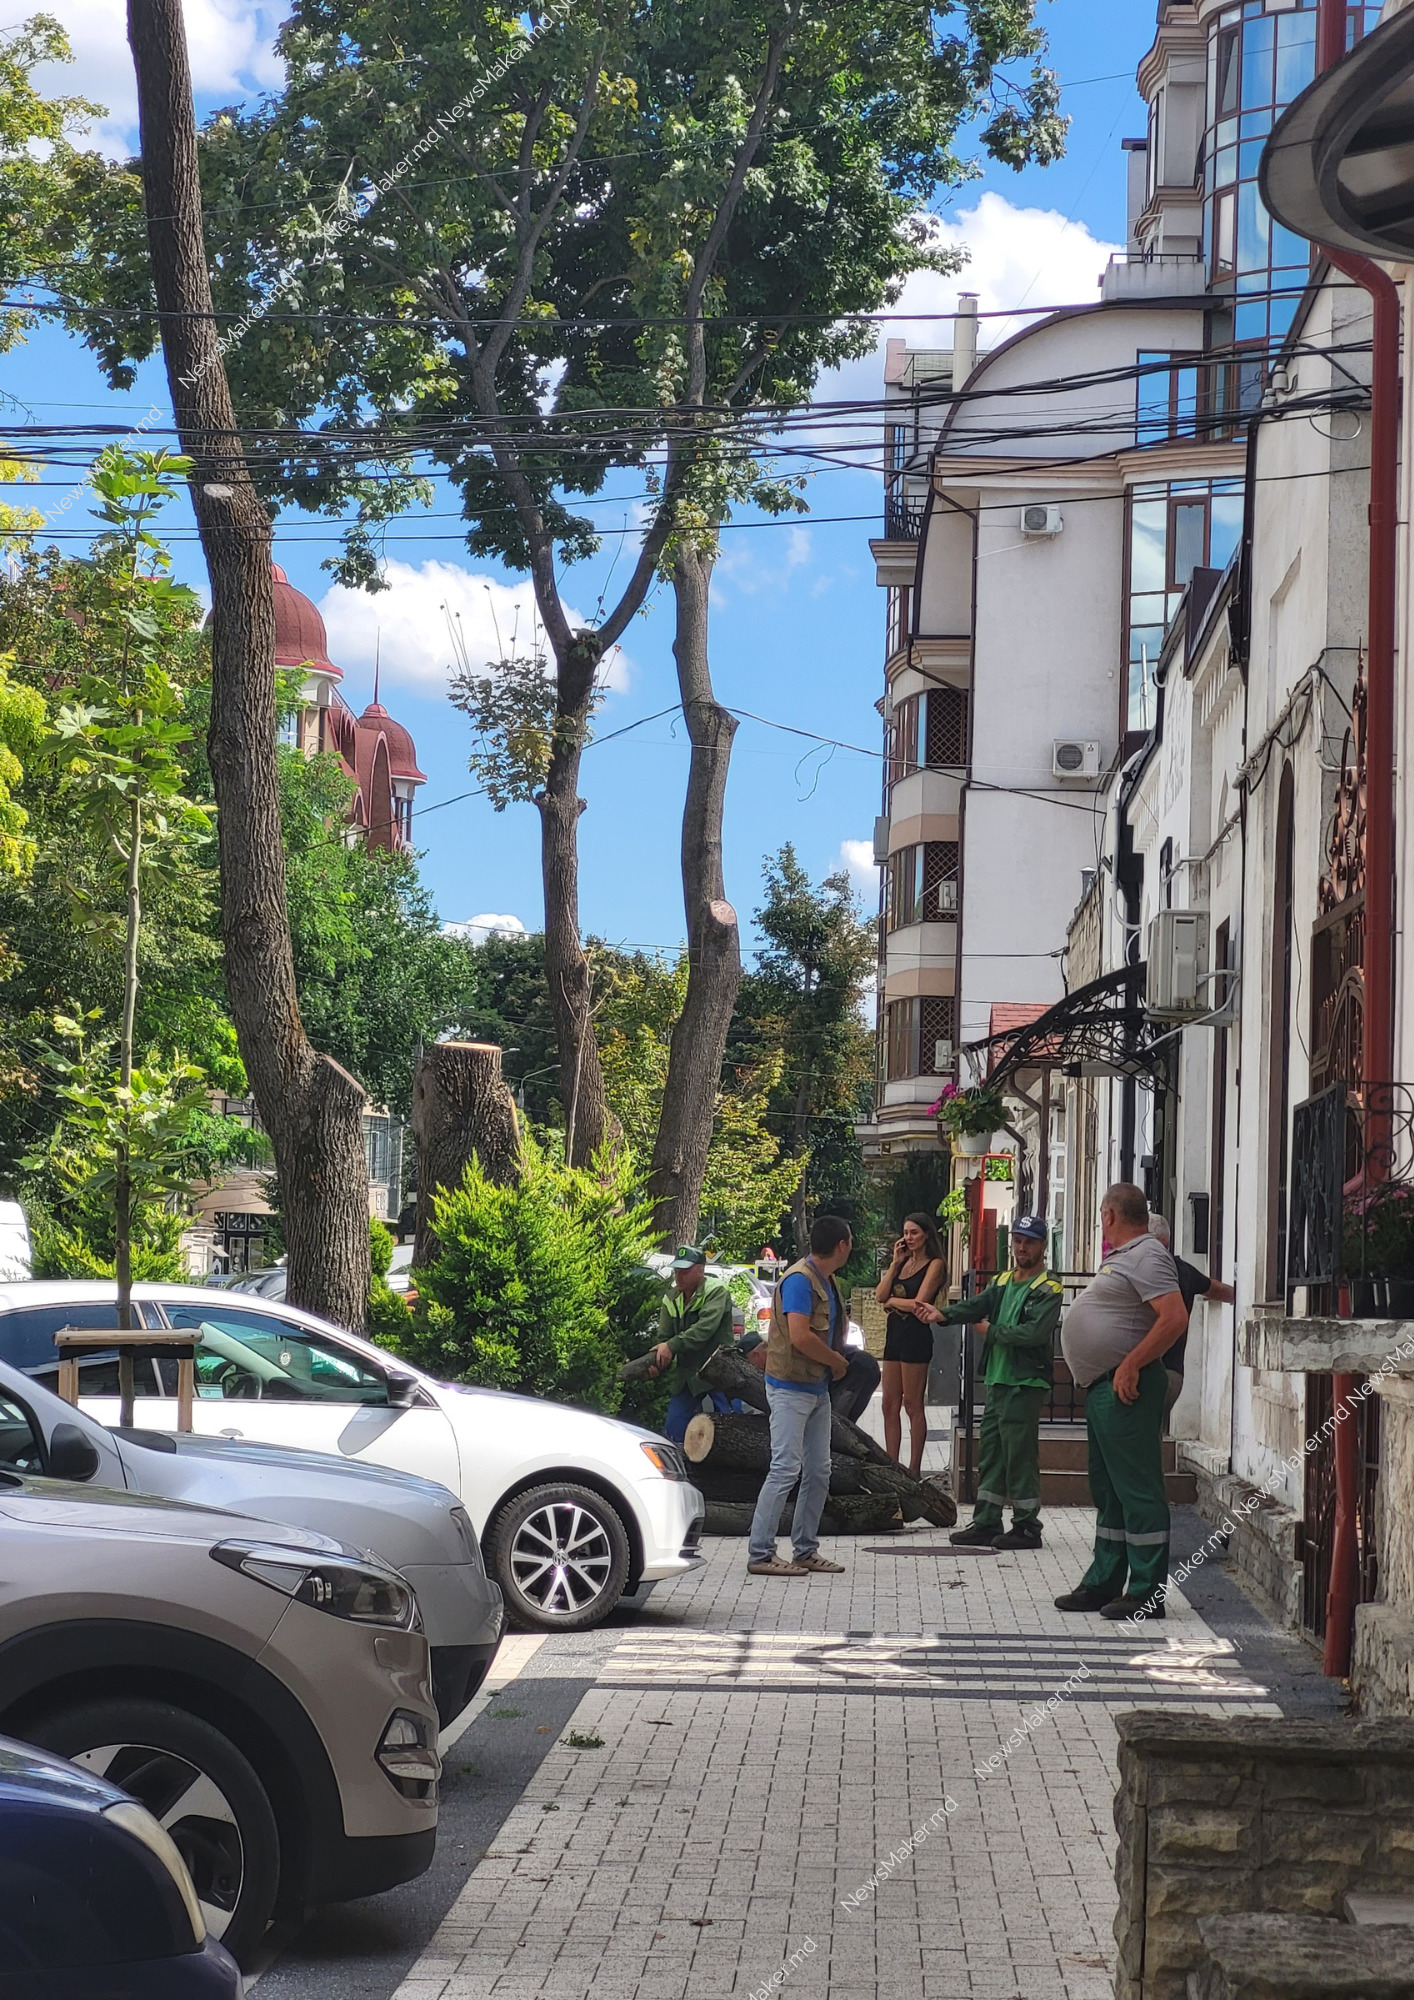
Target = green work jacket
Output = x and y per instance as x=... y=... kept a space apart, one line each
x=1021 y=1334
x=694 y=1329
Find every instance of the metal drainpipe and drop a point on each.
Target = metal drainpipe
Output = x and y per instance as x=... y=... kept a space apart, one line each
x=1378 y=1050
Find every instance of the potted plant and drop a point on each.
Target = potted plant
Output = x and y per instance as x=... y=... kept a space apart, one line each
x=970 y=1117
x=1379 y=1250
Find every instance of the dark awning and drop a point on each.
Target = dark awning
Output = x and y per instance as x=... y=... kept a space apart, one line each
x=1100 y=1029
x=1339 y=165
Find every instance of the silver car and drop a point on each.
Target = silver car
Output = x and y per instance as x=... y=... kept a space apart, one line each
x=418 y=1527
x=263 y=1691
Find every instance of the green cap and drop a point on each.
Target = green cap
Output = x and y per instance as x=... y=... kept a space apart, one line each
x=688 y=1255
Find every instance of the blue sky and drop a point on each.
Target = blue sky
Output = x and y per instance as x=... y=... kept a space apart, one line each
x=797 y=631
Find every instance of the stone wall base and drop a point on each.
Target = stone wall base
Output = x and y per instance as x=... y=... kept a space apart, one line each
x=1382 y=1667
x=1263 y=1542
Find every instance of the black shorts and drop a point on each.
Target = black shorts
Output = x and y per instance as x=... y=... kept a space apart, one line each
x=907 y=1339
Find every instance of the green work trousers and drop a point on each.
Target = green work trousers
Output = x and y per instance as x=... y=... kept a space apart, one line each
x=1127 y=1485
x=1009 y=1455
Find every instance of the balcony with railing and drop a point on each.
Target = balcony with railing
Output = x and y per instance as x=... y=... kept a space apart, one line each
x=1170 y=275
x=903 y=517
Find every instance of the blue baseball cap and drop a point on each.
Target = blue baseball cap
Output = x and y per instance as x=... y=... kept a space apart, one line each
x=1033 y=1226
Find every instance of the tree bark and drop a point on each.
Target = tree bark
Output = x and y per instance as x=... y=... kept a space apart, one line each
x=461 y=1110
x=699 y=1039
x=879 y=1475
x=310 y=1107
x=588 y=1121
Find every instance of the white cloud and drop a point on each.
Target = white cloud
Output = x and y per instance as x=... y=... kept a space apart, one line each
x=231 y=44
x=756 y=559
x=476 y=930
x=406 y=627
x=858 y=857
x=1015 y=256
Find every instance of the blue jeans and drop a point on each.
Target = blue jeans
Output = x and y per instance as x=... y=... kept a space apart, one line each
x=684 y=1406
x=800 y=1449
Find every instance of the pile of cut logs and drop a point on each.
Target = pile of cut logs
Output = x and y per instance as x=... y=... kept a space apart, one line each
x=730 y=1454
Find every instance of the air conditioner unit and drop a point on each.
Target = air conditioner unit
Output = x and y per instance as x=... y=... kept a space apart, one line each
x=943 y=1056
x=1176 y=986
x=881 y=841
x=1041 y=520
x=1072 y=757
x=947 y=896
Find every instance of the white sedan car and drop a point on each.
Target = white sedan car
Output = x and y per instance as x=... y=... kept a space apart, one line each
x=572 y=1510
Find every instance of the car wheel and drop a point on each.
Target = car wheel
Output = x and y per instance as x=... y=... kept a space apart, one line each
x=195 y=1783
x=560 y=1555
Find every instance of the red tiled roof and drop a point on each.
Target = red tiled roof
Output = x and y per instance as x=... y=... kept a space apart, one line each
x=1009 y=1017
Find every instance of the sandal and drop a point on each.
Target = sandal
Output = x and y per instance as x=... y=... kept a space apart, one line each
x=774 y=1566
x=818 y=1565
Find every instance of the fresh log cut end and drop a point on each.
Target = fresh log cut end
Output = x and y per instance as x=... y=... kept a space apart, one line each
x=701 y=1436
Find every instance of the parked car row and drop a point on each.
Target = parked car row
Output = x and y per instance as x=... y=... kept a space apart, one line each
x=245 y=1648
x=571 y=1509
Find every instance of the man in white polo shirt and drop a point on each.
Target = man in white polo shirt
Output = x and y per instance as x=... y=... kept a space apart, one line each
x=1114 y=1339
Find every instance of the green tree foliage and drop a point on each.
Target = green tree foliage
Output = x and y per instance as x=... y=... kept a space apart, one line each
x=805 y=998
x=114 y=746
x=538 y=1286
x=49 y=189
x=115 y=1131
x=376 y=976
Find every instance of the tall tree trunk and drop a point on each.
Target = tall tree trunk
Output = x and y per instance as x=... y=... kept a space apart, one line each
x=461 y=1109
x=311 y=1108
x=714 y=948
x=588 y=1120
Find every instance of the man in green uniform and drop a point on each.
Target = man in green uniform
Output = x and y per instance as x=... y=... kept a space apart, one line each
x=1022 y=1307
x=696 y=1319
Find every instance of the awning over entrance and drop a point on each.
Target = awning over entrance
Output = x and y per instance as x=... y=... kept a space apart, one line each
x=1100 y=1029
x=1339 y=166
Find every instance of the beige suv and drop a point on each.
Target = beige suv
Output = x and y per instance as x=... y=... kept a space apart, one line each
x=264 y=1691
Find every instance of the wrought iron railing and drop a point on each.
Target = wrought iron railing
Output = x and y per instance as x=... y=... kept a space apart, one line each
x=902 y=523
x=1350 y=1204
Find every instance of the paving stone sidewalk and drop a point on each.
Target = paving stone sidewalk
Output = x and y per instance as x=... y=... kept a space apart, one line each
x=767 y=1744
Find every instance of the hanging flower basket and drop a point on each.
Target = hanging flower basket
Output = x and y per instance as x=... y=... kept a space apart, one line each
x=967 y=1115
x=972 y=1144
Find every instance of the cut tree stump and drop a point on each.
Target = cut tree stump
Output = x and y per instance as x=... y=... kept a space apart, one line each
x=736 y=1443
x=461 y=1109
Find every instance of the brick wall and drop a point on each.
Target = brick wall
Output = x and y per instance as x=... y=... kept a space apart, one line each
x=1218 y=1815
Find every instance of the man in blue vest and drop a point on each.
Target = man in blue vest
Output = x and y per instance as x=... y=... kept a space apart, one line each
x=804 y=1354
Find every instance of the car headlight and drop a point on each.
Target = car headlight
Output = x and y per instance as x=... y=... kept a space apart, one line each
x=351 y=1587
x=667 y=1458
x=138 y=1821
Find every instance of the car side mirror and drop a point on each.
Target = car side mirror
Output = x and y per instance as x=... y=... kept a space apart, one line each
x=402 y=1391
x=72 y=1454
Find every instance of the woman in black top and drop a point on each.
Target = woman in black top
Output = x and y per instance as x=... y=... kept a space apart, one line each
x=913 y=1278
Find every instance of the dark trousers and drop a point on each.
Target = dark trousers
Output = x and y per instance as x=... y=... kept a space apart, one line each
x=684 y=1406
x=1127 y=1485
x=1009 y=1455
x=851 y=1394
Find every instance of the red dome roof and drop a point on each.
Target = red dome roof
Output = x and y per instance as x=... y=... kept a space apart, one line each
x=402 y=752
x=300 y=638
